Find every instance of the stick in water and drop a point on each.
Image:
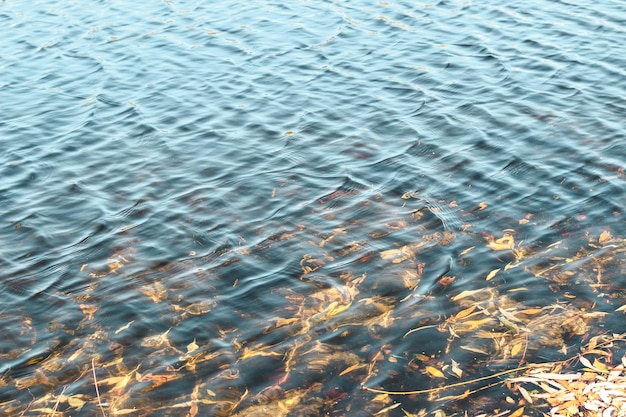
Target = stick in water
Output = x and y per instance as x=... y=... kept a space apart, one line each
x=95 y=383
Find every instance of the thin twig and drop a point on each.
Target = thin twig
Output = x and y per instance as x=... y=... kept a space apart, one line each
x=458 y=384
x=54 y=410
x=95 y=383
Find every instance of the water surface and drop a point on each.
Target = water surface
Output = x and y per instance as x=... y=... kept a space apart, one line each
x=243 y=207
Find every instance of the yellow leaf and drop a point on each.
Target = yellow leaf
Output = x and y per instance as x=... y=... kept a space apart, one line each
x=465 y=313
x=192 y=347
x=604 y=237
x=492 y=274
x=531 y=311
x=434 y=372
x=516 y=349
x=350 y=369
x=469 y=326
x=465 y=294
x=75 y=402
x=383 y=398
x=517 y=413
x=600 y=366
x=466 y=251
x=506 y=242
x=125 y=411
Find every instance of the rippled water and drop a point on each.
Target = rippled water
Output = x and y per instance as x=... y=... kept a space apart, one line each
x=205 y=192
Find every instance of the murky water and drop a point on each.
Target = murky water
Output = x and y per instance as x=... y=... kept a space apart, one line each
x=261 y=208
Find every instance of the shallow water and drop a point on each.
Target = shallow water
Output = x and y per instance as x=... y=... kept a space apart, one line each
x=225 y=181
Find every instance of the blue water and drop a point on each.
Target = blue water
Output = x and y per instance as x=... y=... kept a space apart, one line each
x=177 y=165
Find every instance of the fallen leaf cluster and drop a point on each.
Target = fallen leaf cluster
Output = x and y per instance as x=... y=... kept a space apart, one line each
x=359 y=331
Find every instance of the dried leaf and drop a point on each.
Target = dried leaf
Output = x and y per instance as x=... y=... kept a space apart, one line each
x=506 y=242
x=465 y=294
x=600 y=366
x=434 y=372
x=384 y=410
x=466 y=251
x=458 y=372
x=604 y=237
x=517 y=348
x=531 y=311
x=192 y=347
x=492 y=274
x=75 y=402
x=350 y=369
x=517 y=413
x=525 y=394
x=465 y=313
x=585 y=361
x=158 y=341
x=382 y=398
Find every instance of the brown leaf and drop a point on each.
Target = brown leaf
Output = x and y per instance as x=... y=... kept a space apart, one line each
x=604 y=237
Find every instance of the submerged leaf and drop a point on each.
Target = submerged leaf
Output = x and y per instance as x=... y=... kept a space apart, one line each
x=604 y=237
x=492 y=274
x=434 y=372
x=192 y=347
x=516 y=348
